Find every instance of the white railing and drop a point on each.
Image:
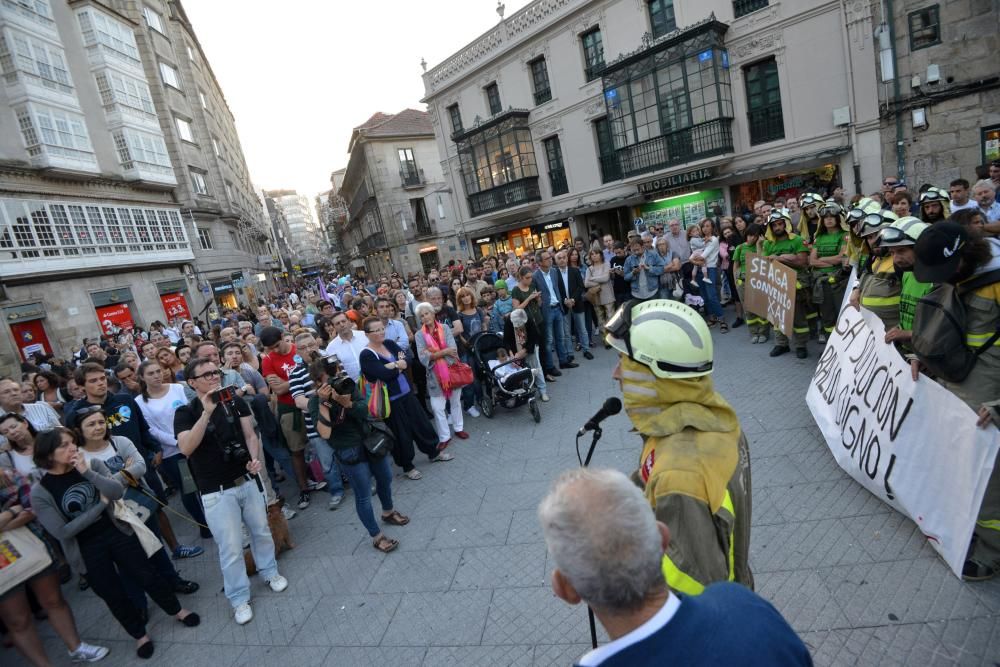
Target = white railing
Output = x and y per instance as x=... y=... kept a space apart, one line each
x=42 y=237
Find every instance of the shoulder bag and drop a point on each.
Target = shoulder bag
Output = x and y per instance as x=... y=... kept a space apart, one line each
x=22 y=556
x=378 y=438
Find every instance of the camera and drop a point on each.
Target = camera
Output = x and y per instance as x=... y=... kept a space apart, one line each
x=336 y=377
x=224 y=394
x=234 y=451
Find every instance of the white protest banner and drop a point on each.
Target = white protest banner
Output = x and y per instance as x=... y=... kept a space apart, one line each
x=913 y=444
x=770 y=291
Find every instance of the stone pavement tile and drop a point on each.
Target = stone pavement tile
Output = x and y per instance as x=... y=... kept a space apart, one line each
x=374 y=656
x=480 y=530
x=313 y=540
x=478 y=656
x=330 y=575
x=802 y=598
x=548 y=468
x=453 y=618
x=775 y=471
x=968 y=640
x=282 y=656
x=207 y=655
x=404 y=572
x=414 y=536
x=501 y=567
x=818 y=465
x=522 y=496
x=895 y=645
x=890 y=537
x=534 y=616
x=348 y=620
x=764 y=508
x=842 y=498
x=914 y=591
x=558 y=655
x=449 y=502
x=524 y=528
x=276 y=620
x=780 y=443
x=804 y=545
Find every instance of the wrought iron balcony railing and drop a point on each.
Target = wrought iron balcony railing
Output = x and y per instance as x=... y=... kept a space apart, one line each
x=693 y=143
x=511 y=194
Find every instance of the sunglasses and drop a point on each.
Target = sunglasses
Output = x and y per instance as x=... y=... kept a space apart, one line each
x=889 y=182
x=621 y=323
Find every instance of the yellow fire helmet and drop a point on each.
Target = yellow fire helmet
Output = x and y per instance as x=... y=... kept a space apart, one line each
x=669 y=337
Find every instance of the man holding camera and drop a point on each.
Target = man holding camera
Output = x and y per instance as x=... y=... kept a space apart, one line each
x=215 y=431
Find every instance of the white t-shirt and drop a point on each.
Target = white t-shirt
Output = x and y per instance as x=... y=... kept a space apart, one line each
x=349 y=352
x=159 y=414
x=25 y=466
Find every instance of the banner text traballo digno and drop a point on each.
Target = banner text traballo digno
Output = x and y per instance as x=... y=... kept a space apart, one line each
x=770 y=291
x=913 y=444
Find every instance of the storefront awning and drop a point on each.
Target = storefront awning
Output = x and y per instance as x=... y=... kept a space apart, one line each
x=776 y=167
x=629 y=199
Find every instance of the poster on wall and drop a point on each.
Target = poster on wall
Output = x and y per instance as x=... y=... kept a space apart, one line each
x=115 y=318
x=175 y=305
x=689 y=208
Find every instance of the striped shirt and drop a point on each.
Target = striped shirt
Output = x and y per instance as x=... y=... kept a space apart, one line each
x=40 y=415
x=300 y=384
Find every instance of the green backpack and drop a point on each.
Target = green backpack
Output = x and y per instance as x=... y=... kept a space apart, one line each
x=939 y=329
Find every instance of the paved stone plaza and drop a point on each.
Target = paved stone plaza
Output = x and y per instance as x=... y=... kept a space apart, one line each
x=469 y=583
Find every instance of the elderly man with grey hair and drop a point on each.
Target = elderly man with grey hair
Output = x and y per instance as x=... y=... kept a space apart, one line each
x=607 y=546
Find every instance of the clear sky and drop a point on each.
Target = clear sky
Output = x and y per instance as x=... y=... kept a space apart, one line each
x=300 y=74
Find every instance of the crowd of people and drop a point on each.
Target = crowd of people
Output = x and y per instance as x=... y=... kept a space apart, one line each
x=294 y=388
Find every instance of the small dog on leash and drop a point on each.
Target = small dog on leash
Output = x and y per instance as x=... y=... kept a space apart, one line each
x=279 y=533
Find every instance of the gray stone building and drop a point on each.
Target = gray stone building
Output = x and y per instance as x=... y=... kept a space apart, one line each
x=940 y=89
x=109 y=111
x=305 y=238
x=399 y=205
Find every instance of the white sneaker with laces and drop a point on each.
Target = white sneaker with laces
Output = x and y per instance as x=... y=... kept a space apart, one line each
x=473 y=411
x=242 y=614
x=315 y=486
x=88 y=653
x=277 y=583
x=545 y=397
x=288 y=512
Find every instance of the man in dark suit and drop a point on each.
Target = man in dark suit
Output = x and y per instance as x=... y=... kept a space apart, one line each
x=571 y=295
x=546 y=281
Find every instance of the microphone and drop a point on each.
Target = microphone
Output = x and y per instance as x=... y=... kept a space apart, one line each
x=612 y=406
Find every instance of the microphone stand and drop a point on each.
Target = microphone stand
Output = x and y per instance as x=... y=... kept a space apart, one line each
x=597 y=433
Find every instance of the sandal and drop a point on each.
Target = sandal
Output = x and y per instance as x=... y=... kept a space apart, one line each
x=385 y=544
x=723 y=327
x=395 y=518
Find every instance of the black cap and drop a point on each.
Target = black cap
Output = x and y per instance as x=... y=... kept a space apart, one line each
x=269 y=336
x=938 y=252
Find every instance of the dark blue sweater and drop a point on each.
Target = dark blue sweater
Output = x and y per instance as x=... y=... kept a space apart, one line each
x=726 y=625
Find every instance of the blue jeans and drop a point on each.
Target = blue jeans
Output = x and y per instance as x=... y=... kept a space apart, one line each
x=360 y=476
x=555 y=334
x=578 y=322
x=226 y=512
x=328 y=462
x=710 y=295
x=281 y=455
x=471 y=393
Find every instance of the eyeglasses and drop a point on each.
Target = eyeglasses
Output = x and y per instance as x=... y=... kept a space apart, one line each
x=208 y=374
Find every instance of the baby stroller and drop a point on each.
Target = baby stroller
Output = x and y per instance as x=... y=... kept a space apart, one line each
x=512 y=391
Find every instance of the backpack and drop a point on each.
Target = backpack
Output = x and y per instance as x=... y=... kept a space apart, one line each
x=939 y=329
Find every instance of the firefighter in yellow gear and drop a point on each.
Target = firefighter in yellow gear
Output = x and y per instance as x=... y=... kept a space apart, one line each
x=757 y=325
x=695 y=464
x=789 y=249
x=828 y=260
x=879 y=288
x=811 y=204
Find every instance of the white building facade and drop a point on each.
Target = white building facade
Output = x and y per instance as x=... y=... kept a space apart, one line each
x=577 y=117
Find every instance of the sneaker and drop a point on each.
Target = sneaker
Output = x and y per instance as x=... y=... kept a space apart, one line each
x=303 y=500
x=242 y=614
x=587 y=354
x=288 y=512
x=443 y=456
x=315 y=486
x=335 y=501
x=545 y=397
x=277 y=583
x=694 y=284
x=412 y=474
x=473 y=411
x=707 y=281
x=185 y=587
x=185 y=551
x=88 y=653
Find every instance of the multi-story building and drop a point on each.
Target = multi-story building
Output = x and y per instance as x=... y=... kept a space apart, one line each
x=399 y=205
x=99 y=229
x=305 y=238
x=940 y=74
x=233 y=253
x=546 y=133
x=327 y=213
